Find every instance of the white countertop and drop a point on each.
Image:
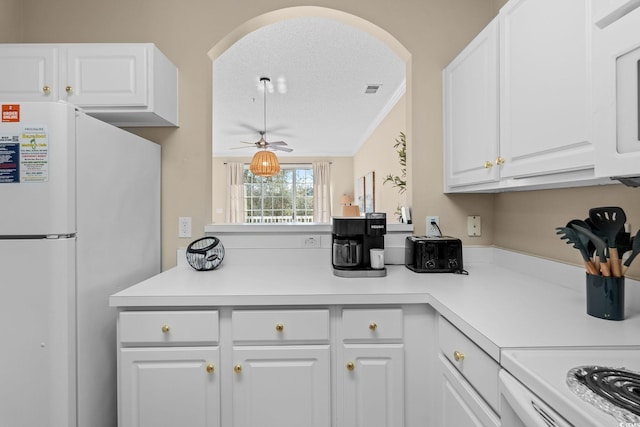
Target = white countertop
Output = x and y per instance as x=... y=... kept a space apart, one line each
x=533 y=303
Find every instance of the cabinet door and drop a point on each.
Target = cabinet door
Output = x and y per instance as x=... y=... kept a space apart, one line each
x=28 y=73
x=281 y=386
x=545 y=87
x=168 y=387
x=470 y=85
x=106 y=75
x=373 y=386
x=461 y=406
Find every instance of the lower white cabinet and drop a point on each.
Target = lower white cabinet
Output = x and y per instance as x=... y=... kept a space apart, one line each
x=272 y=367
x=373 y=386
x=168 y=387
x=285 y=386
x=461 y=405
x=468 y=379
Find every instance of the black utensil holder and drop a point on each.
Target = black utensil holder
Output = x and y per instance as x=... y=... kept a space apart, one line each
x=605 y=297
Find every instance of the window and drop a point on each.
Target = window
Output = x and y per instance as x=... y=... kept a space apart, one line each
x=283 y=198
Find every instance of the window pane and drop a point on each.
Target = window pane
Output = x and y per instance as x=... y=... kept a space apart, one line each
x=286 y=197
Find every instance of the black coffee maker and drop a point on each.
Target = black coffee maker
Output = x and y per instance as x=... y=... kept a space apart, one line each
x=352 y=239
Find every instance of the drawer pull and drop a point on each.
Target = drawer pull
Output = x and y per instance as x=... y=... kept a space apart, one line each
x=46 y=89
x=351 y=366
x=458 y=356
x=210 y=368
x=373 y=326
x=237 y=368
x=488 y=165
x=279 y=327
x=166 y=329
x=500 y=161
x=68 y=89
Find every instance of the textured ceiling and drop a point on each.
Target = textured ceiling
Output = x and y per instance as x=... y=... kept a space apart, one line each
x=319 y=70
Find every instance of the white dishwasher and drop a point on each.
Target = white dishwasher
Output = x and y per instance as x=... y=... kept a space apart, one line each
x=565 y=387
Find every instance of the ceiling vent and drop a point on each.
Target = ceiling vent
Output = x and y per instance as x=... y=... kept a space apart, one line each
x=372 y=88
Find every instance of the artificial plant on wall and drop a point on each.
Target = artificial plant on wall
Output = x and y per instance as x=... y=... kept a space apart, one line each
x=399 y=181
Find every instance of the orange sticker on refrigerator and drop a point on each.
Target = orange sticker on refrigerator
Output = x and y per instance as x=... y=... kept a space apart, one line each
x=10 y=113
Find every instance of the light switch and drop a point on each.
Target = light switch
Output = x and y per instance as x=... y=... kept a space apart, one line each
x=474 y=227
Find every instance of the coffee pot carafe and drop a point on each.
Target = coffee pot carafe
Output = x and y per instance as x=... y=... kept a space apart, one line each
x=347 y=252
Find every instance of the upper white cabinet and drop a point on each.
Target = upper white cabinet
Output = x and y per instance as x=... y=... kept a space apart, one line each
x=545 y=87
x=544 y=111
x=471 y=143
x=122 y=84
x=616 y=52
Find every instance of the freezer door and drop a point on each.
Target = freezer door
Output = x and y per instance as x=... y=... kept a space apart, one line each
x=37 y=169
x=37 y=314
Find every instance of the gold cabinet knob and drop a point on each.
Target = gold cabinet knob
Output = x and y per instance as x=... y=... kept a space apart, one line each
x=211 y=368
x=279 y=327
x=46 y=89
x=373 y=326
x=488 y=164
x=166 y=329
x=500 y=161
x=237 y=368
x=458 y=355
x=69 y=89
x=351 y=366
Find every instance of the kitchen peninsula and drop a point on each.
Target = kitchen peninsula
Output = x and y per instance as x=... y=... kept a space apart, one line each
x=259 y=327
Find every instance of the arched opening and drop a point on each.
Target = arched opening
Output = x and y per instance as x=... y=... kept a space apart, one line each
x=347 y=168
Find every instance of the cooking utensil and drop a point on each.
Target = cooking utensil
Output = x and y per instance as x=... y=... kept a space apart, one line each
x=601 y=248
x=635 y=250
x=580 y=243
x=610 y=220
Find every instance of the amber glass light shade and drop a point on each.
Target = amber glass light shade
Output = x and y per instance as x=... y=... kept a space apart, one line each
x=264 y=163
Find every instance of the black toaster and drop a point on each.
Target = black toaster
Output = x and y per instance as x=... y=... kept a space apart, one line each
x=433 y=254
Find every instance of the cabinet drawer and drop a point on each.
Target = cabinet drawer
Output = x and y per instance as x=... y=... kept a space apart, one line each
x=280 y=326
x=168 y=327
x=474 y=364
x=372 y=324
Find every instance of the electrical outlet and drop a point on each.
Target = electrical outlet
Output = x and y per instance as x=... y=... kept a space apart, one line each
x=432 y=230
x=184 y=226
x=311 y=241
x=474 y=227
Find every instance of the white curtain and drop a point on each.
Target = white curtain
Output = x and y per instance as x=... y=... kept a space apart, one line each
x=235 y=193
x=321 y=192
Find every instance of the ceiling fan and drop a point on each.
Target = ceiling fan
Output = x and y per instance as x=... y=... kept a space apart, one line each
x=262 y=142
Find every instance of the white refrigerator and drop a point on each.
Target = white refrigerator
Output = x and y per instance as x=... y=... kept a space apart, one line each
x=79 y=221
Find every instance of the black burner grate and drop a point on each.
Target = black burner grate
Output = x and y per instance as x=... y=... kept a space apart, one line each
x=618 y=386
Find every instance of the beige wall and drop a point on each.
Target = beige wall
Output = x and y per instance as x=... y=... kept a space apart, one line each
x=10 y=21
x=341 y=180
x=378 y=155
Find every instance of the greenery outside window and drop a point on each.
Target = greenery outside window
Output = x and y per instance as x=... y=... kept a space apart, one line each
x=283 y=198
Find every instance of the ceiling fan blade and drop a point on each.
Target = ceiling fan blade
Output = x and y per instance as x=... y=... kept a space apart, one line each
x=253 y=129
x=278 y=148
x=277 y=143
x=239 y=148
x=245 y=142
